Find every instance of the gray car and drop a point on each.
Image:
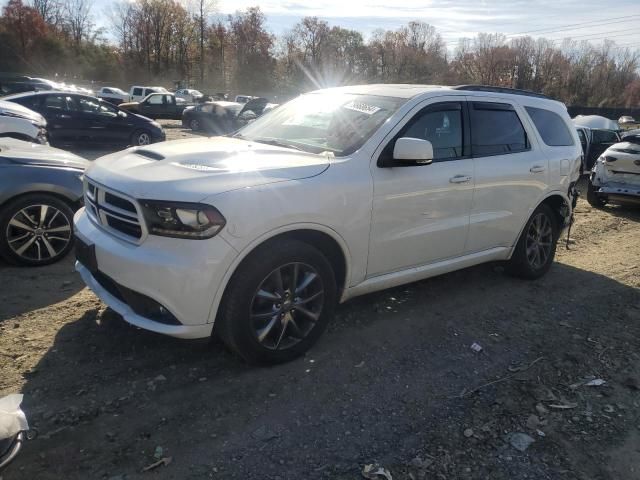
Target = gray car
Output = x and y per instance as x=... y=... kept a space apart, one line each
x=40 y=189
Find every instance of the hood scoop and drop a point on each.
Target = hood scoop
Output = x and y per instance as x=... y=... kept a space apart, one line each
x=150 y=154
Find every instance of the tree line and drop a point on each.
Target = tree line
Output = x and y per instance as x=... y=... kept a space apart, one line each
x=169 y=42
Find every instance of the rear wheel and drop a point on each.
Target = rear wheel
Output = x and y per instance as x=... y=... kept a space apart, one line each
x=278 y=303
x=594 y=199
x=536 y=247
x=36 y=229
x=141 y=138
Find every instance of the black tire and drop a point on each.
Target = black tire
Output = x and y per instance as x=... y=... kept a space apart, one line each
x=523 y=262
x=194 y=124
x=235 y=324
x=141 y=138
x=44 y=240
x=595 y=200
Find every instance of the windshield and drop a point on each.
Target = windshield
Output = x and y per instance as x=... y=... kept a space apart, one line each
x=317 y=122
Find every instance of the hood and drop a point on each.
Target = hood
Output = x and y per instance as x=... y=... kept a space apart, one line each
x=25 y=153
x=194 y=169
x=256 y=105
x=16 y=110
x=126 y=105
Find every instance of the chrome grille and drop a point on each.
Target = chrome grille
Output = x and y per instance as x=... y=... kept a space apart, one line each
x=113 y=211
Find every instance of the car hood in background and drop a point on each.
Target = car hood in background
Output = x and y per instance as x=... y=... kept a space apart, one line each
x=16 y=110
x=192 y=170
x=26 y=153
x=126 y=105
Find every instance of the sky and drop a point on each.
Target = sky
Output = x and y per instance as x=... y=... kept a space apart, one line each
x=553 y=19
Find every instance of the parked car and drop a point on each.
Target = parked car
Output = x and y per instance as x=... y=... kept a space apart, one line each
x=40 y=189
x=74 y=118
x=627 y=121
x=137 y=93
x=594 y=141
x=157 y=105
x=10 y=84
x=615 y=178
x=113 y=95
x=243 y=98
x=221 y=117
x=21 y=123
x=189 y=95
x=335 y=194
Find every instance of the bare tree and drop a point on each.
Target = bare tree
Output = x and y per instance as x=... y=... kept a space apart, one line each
x=77 y=17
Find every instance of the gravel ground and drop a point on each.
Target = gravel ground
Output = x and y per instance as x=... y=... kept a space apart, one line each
x=393 y=381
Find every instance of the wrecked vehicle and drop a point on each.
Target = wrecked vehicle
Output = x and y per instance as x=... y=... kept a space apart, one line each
x=223 y=117
x=615 y=177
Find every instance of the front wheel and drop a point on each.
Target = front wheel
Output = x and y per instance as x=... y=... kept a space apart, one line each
x=195 y=125
x=36 y=229
x=141 y=138
x=536 y=247
x=278 y=303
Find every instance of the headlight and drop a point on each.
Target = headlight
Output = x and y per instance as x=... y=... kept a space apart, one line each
x=182 y=220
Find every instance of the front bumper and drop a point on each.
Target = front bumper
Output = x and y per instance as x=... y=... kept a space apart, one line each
x=179 y=274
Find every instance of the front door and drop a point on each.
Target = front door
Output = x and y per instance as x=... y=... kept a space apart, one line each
x=421 y=212
x=511 y=172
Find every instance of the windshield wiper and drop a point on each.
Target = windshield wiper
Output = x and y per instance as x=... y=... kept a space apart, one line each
x=275 y=142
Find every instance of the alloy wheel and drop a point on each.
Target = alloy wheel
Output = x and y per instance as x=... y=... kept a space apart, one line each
x=144 y=139
x=195 y=125
x=38 y=232
x=539 y=241
x=287 y=305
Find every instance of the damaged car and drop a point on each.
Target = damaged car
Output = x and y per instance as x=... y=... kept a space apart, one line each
x=615 y=177
x=220 y=118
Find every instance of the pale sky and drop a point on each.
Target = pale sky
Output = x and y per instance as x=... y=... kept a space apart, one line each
x=591 y=20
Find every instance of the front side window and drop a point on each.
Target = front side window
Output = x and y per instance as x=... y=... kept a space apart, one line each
x=442 y=126
x=337 y=122
x=89 y=105
x=496 y=129
x=551 y=127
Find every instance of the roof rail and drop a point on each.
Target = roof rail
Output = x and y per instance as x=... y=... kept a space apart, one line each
x=511 y=91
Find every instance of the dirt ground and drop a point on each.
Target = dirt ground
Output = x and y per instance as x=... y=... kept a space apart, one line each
x=393 y=381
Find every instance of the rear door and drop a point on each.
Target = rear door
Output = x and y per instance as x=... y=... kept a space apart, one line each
x=63 y=124
x=511 y=172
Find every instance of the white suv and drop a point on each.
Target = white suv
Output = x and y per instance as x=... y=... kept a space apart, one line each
x=338 y=193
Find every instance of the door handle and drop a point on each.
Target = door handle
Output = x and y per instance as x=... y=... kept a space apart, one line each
x=537 y=169
x=63 y=116
x=460 y=179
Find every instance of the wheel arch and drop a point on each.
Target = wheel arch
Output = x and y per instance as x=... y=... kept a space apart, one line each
x=60 y=193
x=325 y=239
x=558 y=202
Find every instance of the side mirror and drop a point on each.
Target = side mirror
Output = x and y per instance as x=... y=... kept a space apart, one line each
x=414 y=150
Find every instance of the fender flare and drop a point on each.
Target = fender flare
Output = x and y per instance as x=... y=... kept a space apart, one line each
x=552 y=193
x=237 y=261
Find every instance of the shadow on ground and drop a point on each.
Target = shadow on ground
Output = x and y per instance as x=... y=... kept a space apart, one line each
x=387 y=382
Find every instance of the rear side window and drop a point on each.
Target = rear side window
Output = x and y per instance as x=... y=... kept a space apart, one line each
x=32 y=102
x=551 y=127
x=137 y=91
x=58 y=103
x=496 y=129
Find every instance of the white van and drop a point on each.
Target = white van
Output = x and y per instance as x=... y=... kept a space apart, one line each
x=137 y=93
